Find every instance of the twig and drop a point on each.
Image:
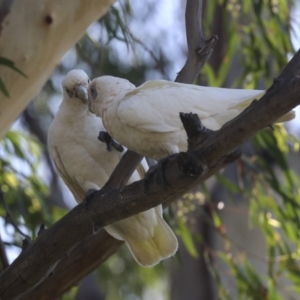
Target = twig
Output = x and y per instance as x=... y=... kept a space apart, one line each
x=3 y=256
x=199 y=49
x=142 y=44
x=150 y=52
x=12 y=220
x=129 y=161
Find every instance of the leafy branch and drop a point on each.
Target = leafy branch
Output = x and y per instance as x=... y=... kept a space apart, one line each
x=10 y=64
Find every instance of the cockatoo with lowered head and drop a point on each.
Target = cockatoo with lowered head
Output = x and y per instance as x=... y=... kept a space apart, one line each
x=84 y=163
x=145 y=119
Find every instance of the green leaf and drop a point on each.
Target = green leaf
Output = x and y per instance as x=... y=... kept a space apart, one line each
x=187 y=238
x=216 y=219
x=10 y=64
x=3 y=88
x=228 y=184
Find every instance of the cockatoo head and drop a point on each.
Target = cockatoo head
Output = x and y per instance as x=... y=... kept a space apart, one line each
x=75 y=86
x=103 y=90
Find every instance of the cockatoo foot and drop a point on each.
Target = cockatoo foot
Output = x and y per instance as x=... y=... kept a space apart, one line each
x=158 y=169
x=110 y=142
x=190 y=165
x=88 y=196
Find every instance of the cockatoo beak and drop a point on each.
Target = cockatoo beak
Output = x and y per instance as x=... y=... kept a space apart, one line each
x=82 y=93
x=90 y=103
x=90 y=107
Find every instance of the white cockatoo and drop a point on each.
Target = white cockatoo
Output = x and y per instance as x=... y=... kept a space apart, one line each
x=145 y=119
x=84 y=163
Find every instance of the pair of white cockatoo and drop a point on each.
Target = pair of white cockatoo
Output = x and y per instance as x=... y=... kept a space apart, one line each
x=145 y=120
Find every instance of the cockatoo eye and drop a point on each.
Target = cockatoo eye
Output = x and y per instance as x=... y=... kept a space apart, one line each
x=69 y=93
x=93 y=93
x=89 y=81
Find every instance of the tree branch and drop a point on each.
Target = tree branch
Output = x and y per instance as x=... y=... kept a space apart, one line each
x=86 y=257
x=199 y=49
x=3 y=256
x=123 y=171
x=110 y=206
x=81 y=261
x=291 y=69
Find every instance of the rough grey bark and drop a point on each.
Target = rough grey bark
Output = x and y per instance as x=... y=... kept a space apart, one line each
x=81 y=260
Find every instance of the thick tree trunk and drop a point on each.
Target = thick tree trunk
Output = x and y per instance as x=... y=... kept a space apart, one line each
x=35 y=34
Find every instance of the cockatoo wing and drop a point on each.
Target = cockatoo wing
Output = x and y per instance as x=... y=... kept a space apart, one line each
x=155 y=105
x=70 y=181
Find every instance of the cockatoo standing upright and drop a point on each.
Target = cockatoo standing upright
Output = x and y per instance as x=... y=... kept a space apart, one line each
x=146 y=119
x=84 y=163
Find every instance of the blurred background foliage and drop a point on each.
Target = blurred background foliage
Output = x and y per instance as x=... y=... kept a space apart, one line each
x=239 y=231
